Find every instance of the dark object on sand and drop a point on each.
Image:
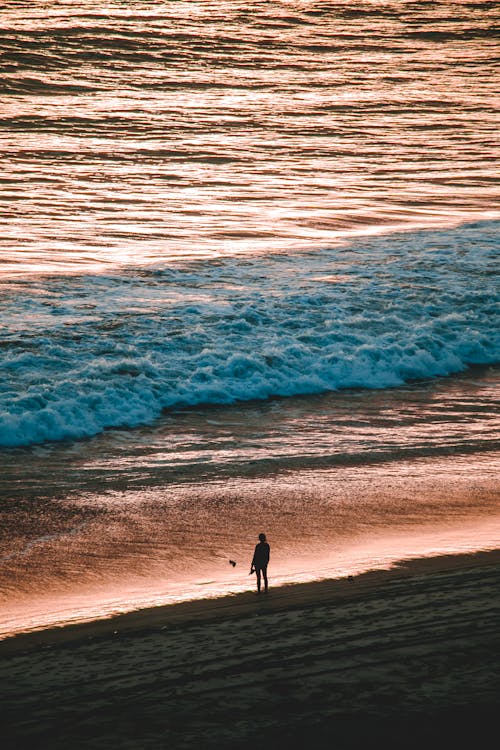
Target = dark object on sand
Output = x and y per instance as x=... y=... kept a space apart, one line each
x=232 y=562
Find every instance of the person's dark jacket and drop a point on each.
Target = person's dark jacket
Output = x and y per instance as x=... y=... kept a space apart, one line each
x=261 y=555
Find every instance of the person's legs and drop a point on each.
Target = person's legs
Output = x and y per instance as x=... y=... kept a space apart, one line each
x=264 y=573
x=257 y=570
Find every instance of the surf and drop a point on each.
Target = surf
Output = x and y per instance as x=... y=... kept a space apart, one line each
x=81 y=354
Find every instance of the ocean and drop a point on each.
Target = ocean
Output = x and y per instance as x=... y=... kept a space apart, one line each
x=248 y=282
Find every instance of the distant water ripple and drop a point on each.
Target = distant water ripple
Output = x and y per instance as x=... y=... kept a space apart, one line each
x=136 y=132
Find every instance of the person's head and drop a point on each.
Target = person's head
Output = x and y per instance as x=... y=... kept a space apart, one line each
x=262 y=537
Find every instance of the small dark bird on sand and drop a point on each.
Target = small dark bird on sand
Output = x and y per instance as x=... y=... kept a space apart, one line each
x=231 y=562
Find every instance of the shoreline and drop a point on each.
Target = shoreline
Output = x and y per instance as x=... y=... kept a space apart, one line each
x=405 y=657
x=232 y=606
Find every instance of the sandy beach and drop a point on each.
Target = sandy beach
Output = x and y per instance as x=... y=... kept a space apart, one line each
x=404 y=657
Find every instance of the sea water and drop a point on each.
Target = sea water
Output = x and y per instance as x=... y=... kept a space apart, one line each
x=249 y=258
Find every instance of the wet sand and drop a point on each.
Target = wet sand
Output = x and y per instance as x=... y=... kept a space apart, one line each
x=408 y=657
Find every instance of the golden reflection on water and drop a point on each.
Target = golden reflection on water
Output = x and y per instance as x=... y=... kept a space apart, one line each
x=179 y=130
x=157 y=546
x=86 y=602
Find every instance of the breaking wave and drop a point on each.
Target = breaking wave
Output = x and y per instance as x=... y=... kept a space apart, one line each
x=81 y=354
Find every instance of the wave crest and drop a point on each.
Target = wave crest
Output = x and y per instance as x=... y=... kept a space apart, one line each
x=376 y=315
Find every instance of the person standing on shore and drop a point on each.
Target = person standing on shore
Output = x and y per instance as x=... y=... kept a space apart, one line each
x=260 y=561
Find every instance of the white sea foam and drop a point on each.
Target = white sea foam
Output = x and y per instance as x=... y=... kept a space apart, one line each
x=80 y=354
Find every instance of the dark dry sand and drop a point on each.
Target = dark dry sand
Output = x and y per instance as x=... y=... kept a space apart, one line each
x=405 y=658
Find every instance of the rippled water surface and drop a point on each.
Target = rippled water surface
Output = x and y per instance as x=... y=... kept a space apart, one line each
x=135 y=132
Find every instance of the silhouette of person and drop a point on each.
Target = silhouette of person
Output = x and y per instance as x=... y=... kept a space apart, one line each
x=260 y=561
